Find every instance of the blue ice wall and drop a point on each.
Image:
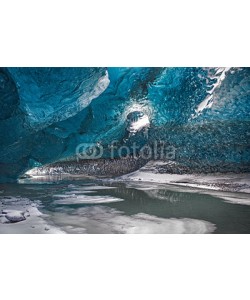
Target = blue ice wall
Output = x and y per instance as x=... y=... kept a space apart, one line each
x=31 y=99
x=47 y=112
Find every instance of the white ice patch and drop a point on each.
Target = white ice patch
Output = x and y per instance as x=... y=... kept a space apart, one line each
x=239 y=198
x=21 y=215
x=85 y=199
x=96 y=187
x=74 y=192
x=219 y=76
x=99 y=88
x=78 y=195
x=143 y=186
x=13 y=216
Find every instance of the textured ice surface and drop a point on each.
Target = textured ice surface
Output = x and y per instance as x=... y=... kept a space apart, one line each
x=47 y=112
x=49 y=95
x=33 y=101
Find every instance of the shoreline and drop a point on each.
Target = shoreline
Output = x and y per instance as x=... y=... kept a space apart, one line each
x=228 y=182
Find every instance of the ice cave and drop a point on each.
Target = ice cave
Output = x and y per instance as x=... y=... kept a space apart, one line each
x=153 y=131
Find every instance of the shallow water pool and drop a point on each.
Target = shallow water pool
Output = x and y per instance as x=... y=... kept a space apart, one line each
x=94 y=206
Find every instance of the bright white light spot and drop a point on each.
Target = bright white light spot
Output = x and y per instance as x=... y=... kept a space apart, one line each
x=137 y=120
x=139 y=124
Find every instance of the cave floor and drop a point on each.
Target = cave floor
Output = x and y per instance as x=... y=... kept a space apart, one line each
x=128 y=205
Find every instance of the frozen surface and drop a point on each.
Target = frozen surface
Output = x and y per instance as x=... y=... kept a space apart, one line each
x=217 y=181
x=78 y=199
x=20 y=215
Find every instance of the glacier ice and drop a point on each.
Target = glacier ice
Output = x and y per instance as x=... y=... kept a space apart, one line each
x=50 y=95
x=47 y=112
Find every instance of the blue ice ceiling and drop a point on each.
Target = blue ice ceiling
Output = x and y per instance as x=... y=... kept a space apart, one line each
x=47 y=112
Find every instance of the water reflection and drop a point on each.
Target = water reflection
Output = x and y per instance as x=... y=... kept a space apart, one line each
x=101 y=219
x=104 y=207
